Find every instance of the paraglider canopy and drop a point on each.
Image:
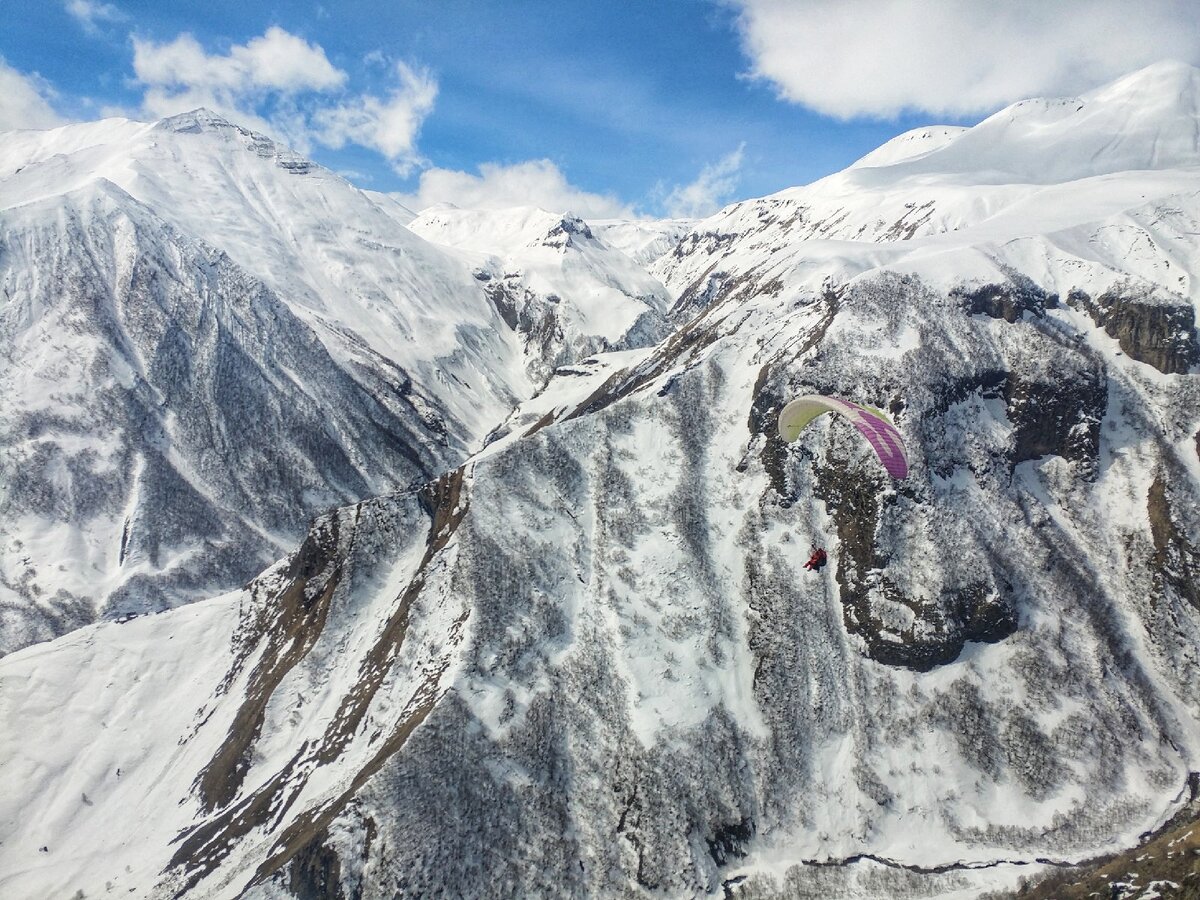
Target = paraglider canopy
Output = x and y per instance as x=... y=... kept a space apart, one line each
x=871 y=424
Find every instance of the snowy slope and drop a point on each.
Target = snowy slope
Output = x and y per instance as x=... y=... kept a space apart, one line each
x=1037 y=168
x=205 y=339
x=393 y=207
x=642 y=240
x=910 y=145
x=336 y=255
x=531 y=259
x=589 y=663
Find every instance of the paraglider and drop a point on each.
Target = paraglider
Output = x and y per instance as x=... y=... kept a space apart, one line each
x=872 y=424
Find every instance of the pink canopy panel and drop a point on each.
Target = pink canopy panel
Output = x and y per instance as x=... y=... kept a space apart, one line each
x=872 y=424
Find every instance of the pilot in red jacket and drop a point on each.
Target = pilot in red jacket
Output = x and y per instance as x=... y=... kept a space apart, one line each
x=817 y=560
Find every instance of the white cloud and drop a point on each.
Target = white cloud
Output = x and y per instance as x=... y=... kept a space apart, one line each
x=278 y=66
x=536 y=182
x=25 y=101
x=389 y=126
x=88 y=13
x=276 y=61
x=284 y=86
x=708 y=192
x=880 y=57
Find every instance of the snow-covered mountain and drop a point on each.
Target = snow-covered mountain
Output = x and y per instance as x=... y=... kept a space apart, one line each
x=642 y=240
x=1036 y=182
x=531 y=259
x=588 y=662
x=206 y=339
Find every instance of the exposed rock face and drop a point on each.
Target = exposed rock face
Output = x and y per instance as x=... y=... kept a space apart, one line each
x=316 y=873
x=564 y=232
x=549 y=341
x=1160 y=332
x=714 y=288
x=536 y=320
x=1008 y=301
x=941 y=626
x=1176 y=561
x=1060 y=418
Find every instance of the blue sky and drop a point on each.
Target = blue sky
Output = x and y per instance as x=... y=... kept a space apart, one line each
x=650 y=107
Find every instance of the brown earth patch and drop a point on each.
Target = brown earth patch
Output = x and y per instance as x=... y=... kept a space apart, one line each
x=1170 y=857
x=299 y=618
x=1176 y=561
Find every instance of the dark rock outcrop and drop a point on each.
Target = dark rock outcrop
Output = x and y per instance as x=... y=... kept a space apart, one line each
x=1150 y=329
x=538 y=319
x=1006 y=301
x=316 y=872
x=561 y=234
x=1060 y=418
x=980 y=611
x=1176 y=563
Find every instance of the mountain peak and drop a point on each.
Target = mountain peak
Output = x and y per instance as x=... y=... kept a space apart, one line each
x=200 y=119
x=204 y=121
x=1165 y=88
x=910 y=145
x=1143 y=121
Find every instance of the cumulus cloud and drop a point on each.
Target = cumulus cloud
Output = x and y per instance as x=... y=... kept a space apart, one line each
x=89 y=13
x=283 y=85
x=389 y=126
x=881 y=57
x=25 y=101
x=537 y=182
x=275 y=61
x=705 y=195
